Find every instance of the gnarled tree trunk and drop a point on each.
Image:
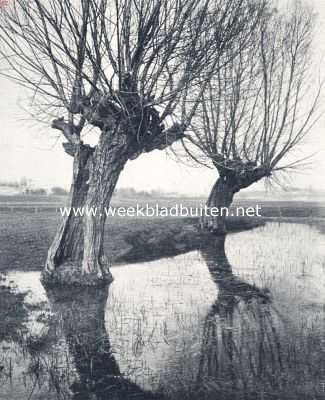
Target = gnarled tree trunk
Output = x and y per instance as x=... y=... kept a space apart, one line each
x=220 y=199
x=76 y=255
x=230 y=182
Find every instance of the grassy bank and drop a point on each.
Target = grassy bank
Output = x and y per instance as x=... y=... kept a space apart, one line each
x=26 y=236
x=28 y=225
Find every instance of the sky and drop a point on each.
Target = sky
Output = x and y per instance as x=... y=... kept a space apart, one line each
x=33 y=151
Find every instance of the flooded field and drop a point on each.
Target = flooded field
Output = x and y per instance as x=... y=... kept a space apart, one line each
x=243 y=319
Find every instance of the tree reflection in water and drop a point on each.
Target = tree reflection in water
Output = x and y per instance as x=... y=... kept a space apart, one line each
x=216 y=337
x=82 y=315
x=241 y=352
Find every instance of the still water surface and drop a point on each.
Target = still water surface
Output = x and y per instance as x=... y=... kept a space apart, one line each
x=242 y=320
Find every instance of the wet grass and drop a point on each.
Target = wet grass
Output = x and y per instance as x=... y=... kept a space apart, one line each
x=255 y=350
x=167 y=330
x=268 y=362
x=13 y=313
x=174 y=330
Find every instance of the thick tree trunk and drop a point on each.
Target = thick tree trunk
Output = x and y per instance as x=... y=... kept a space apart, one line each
x=230 y=182
x=220 y=199
x=76 y=256
x=109 y=161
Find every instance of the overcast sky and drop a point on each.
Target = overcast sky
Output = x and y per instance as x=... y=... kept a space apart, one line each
x=30 y=150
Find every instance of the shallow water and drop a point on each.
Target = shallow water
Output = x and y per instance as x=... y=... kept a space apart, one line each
x=244 y=320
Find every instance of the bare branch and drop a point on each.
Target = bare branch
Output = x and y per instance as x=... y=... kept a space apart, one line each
x=254 y=112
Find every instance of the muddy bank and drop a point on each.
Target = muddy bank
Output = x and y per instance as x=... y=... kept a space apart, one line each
x=175 y=238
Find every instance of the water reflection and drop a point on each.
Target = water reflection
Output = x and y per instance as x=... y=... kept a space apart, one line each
x=82 y=315
x=196 y=326
x=68 y=357
x=241 y=351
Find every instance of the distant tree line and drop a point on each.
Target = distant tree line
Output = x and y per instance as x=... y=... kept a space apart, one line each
x=14 y=185
x=133 y=193
x=24 y=186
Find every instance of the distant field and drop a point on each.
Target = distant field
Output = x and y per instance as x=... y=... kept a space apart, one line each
x=20 y=198
x=284 y=209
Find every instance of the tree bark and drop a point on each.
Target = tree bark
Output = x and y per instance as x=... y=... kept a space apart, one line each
x=220 y=198
x=76 y=256
x=230 y=182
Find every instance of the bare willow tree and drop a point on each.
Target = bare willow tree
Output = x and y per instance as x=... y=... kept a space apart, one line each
x=124 y=67
x=258 y=109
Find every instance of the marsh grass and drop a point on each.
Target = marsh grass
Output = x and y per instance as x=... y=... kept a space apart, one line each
x=278 y=349
x=170 y=329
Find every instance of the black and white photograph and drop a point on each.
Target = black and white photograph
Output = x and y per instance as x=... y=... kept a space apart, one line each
x=162 y=199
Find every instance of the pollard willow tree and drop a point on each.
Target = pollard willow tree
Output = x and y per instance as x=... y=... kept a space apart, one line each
x=123 y=67
x=257 y=110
